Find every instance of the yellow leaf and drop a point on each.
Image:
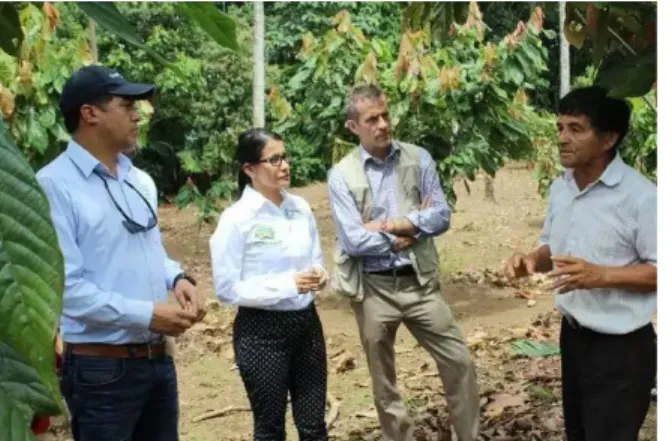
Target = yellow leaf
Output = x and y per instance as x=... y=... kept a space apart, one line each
x=25 y=71
x=490 y=54
x=6 y=102
x=308 y=44
x=52 y=14
x=575 y=33
x=450 y=78
x=520 y=97
x=368 y=70
x=537 y=18
x=343 y=21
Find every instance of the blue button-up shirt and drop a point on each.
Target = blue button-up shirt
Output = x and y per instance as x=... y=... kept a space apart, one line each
x=376 y=248
x=112 y=277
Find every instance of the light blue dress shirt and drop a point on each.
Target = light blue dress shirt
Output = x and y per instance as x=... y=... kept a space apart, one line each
x=112 y=277
x=376 y=248
x=612 y=222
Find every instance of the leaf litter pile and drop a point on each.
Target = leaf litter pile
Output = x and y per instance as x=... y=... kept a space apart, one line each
x=519 y=383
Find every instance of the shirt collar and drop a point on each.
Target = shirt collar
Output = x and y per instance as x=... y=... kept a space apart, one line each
x=611 y=176
x=254 y=200
x=366 y=155
x=87 y=163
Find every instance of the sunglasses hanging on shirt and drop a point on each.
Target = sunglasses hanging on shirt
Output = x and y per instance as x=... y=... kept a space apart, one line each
x=131 y=226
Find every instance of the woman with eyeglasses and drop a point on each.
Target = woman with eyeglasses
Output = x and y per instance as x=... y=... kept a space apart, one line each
x=267 y=260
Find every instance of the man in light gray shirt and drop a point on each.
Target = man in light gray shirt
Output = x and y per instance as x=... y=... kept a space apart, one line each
x=599 y=244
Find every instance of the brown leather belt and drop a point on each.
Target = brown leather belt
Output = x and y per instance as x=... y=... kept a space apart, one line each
x=117 y=351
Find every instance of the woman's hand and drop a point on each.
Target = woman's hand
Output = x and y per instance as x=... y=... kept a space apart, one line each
x=322 y=278
x=306 y=281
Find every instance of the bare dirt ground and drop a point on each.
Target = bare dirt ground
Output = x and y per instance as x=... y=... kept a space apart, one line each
x=520 y=395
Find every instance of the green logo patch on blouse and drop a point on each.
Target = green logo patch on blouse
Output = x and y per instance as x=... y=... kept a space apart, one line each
x=263 y=232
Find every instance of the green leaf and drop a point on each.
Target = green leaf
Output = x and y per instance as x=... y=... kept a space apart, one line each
x=11 y=36
x=626 y=77
x=190 y=162
x=513 y=73
x=108 y=16
x=221 y=27
x=47 y=117
x=21 y=388
x=31 y=289
x=530 y=348
x=297 y=80
x=37 y=136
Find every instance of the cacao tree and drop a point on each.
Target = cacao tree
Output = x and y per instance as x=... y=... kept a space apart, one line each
x=465 y=100
x=622 y=39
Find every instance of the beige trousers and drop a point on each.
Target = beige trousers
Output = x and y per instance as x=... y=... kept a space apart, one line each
x=390 y=301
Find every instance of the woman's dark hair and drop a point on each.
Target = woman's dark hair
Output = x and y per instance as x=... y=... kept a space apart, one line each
x=250 y=145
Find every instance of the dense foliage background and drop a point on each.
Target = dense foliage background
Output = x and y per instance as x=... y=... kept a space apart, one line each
x=475 y=94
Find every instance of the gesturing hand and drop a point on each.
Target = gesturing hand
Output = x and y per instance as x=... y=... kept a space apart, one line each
x=520 y=265
x=574 y=273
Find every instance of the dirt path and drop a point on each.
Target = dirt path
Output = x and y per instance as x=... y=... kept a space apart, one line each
x=482 y=235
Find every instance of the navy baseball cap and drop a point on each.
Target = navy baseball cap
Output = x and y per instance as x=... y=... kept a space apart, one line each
x=92 y=82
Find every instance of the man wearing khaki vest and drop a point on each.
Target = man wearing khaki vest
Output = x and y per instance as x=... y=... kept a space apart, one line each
x=388 y=205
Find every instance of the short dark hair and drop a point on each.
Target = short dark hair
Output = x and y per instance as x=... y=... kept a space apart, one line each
x=359 y=93
x=606 y=114
x=71 y=118
x=250 y=145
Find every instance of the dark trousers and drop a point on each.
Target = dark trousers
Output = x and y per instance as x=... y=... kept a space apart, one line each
x=115 y=399
x=606 y=382
x=280 y=352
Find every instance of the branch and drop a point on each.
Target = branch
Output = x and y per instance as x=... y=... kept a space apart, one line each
x=333 y=411
x=625 y=45
x=219 y=413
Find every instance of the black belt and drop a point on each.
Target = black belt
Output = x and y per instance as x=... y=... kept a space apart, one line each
x=402 y=271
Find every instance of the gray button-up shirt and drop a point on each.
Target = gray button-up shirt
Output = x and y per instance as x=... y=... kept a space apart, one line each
x=376 y=248
x=612 y=222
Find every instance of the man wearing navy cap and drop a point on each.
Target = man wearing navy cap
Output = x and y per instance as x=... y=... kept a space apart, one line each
x=116 y=377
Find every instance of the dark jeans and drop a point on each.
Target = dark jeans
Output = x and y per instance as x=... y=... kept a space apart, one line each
x=280 y=352
x=606 y=382
x=112 y=399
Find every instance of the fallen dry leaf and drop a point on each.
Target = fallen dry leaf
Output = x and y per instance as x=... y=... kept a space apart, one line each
x=345 y=363
x=500 y=402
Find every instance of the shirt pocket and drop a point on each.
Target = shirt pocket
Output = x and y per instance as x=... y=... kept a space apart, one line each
x=609 y=242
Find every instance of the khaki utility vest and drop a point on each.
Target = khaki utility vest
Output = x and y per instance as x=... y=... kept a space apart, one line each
x=346 y=278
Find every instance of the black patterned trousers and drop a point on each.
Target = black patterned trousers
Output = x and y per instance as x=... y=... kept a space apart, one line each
x=281 y=352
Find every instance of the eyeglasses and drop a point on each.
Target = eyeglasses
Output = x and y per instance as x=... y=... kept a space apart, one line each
x=131 y=226
x=276 y=160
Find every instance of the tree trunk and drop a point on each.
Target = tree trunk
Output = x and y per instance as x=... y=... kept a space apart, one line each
x=489 y=188
x=93 y=43
x=564 y=53
x=258 y=112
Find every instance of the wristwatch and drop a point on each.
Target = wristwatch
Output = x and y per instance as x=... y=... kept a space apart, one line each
x=185 y=276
